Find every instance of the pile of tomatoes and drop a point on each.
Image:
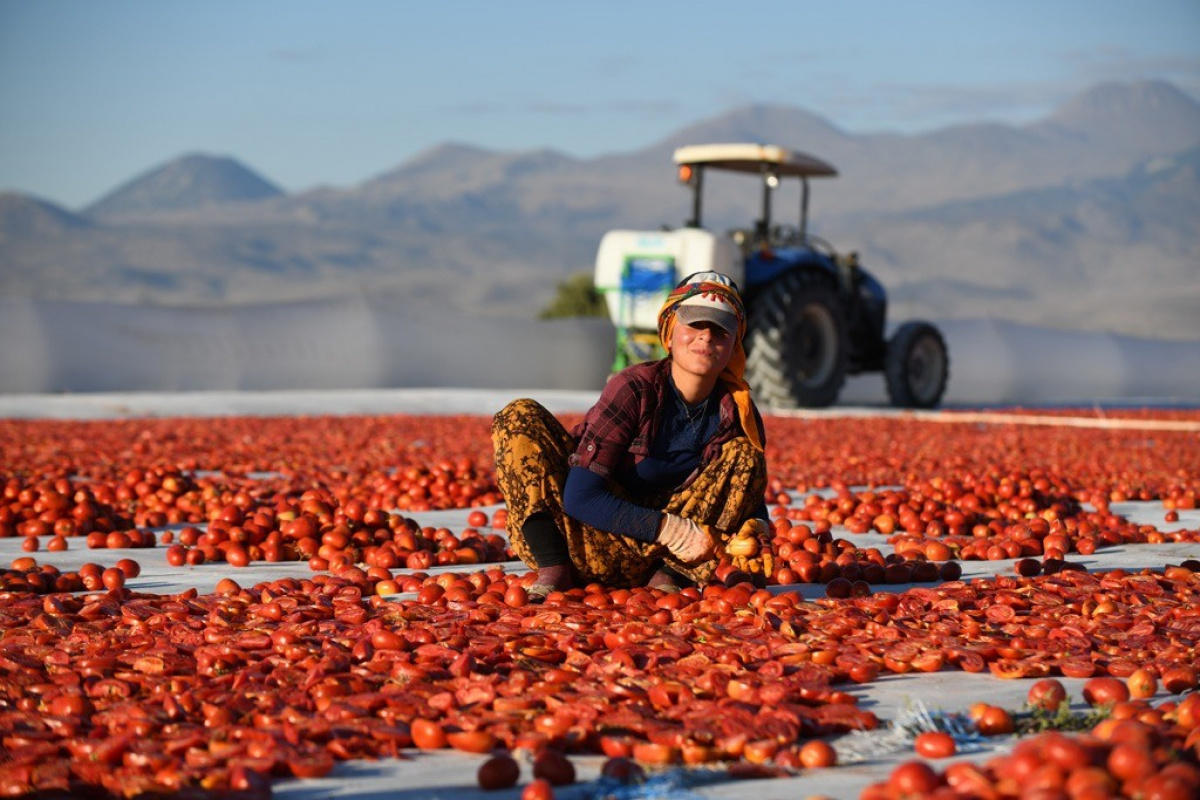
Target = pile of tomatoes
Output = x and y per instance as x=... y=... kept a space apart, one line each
x=108 y=691
x=154 y=693
x=1139 y=750
x=134 y=692
x=805 y=555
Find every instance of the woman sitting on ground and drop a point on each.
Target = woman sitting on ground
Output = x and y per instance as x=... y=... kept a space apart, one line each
x=664 y=470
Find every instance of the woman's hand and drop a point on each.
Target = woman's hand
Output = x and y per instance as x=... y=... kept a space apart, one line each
x=684 y=539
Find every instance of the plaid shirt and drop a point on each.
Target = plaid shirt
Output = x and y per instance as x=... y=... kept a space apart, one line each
x=617 y=431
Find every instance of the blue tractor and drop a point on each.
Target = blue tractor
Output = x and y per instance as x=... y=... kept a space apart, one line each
x=814 y=316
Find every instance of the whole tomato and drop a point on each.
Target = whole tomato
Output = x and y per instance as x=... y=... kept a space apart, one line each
x=498 y=772
x=935 y=744
x=623 y=770
x=538 y=789
x=1142 y=683
x=992 y=720
x=1131 y=761
x=1179 y=679
x=1047 y=694
x=472 y=741
x=913 y=779
x=554 y=767
x=817 y=753
x=1105 y=690
x=427 y=734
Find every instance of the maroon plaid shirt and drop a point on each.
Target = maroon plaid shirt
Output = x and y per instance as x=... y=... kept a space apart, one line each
x=617 y=431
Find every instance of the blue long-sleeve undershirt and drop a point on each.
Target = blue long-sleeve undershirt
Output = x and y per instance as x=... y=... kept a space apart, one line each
x=588 y=499
x=674 y=454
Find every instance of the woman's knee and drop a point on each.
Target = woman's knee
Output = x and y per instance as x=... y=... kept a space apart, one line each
x=521 y=411
x=522 y=406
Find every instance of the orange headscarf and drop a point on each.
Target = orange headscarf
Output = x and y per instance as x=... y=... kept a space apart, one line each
x=731 y=376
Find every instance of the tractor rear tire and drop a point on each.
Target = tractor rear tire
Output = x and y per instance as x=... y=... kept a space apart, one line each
x=917 y=366
x=796 y=343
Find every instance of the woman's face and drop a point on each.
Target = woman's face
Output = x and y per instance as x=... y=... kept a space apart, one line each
x=703 y=349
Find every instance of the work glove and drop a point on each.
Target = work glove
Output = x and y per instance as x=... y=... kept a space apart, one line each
x=683 y=538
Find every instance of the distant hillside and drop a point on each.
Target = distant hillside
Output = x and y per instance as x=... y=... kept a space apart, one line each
x=1085 y=219
x=23 y=217
x=1141 y=118
x=1112 y=253
x=190 y=183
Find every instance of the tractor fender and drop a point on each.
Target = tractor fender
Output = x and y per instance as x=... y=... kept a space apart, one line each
x=765 y=267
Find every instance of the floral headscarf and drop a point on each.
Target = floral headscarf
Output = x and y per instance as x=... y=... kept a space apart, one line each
x=731 y=376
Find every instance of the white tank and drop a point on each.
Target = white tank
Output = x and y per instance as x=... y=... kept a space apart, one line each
x=636 y=270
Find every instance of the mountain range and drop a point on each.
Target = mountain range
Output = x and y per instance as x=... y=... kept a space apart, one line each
x=1088 y=219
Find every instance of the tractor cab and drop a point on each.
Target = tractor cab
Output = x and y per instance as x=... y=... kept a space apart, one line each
x=770 y=163
x=768 y=248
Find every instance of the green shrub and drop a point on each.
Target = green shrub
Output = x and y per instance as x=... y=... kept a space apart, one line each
x=575 y=297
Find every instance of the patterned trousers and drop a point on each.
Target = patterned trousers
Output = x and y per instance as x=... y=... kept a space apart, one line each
x=532 y=448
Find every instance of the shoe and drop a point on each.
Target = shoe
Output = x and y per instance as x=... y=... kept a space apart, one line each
x=550 y=579
x=665 y=580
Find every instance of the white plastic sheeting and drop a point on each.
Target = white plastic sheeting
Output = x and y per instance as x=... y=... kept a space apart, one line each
x=995 y=362
x=332 y=344
x=379 y=342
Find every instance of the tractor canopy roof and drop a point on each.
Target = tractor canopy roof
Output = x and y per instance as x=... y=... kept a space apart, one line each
x=754 y=158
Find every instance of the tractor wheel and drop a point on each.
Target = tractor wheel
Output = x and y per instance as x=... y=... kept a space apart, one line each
x=796 y=348
x=917 y=367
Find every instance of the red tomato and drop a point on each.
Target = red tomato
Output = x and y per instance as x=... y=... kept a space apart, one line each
x=992 y=720
x=950 y=571
x=1047 y=694
x=1105 y=690
x=554 y=767
x=1142 y=683
x=913 y=779
x=539 y=789
x=427 y=734
x=388 y=640
x=1131 y=762
x=838 y=588
x=472 y=741
x=1077 y=667
x=1166 y=787
x=616 y=746
x=817 y=753
x=864 y=672
x=516 y=596
x=935 y=744
x=310 y=765
x=1066 y=752
x=1187 y=712
x=498 y=772
x=237 y=556
x=623 y=770
x=227 y=586
x=113 y=578
x=760 y=751
x=1178 y=680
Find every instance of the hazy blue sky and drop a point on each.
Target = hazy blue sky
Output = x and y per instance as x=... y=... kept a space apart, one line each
x=332 y=93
